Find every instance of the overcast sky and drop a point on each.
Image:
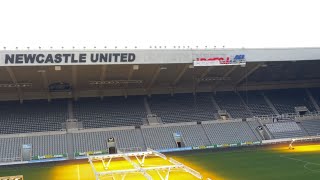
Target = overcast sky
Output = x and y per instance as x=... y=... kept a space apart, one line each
x=144 y=23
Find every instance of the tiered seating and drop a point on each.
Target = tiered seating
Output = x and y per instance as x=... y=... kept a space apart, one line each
x=110 y=112
x=159 y=137
x=183 y=107
x=285 y=100
x=41 y=145
x=192 y=135
x=233 y=132
x=97 y=141
x=52 y=144
x=40 y=115
x=312 y=126
x=256 y=103
x=32 y=116
x=231 y=102
x=10 y=149
x=286 y=130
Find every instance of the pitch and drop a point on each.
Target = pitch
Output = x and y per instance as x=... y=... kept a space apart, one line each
x=239 y=164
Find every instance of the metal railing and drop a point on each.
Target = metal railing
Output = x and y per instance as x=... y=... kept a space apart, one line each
x=290 y=116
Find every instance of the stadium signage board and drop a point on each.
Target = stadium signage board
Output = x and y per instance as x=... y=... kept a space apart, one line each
x=218 y=60
x=90 y=153
x=175 y=149
x=197 y=57
x=16 y=59
x=49 y=156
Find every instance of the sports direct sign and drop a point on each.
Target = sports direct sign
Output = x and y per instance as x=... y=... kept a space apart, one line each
x=218 y=60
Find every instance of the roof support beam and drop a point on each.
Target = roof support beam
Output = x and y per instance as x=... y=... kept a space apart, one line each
x=252 y=70
x=132 y=69
x=217 y=84
x=181 y=73
x=14 y=80
x=204 y=74
x=74 y=83
x=46 y=84
x=130 y=74
x=103 y=77
x=197 y=81
x=103 y=72
x=154 y=78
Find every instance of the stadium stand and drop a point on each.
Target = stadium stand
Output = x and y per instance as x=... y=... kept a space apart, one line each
x=119 y=111
x=32 y=116
x=183 y=107
x=231 y=102
x=39 y=115
x=10 y=148
x=41 y=145
x=96 y=141
x=256 y=103
x=192 y=135
x=142 y=102
x=286 y=130
x=110 y=112
x=311 y=126
x=230 y=132
x=285 y=100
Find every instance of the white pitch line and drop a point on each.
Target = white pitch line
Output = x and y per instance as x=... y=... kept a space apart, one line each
x=299 y=160
x=305 y=165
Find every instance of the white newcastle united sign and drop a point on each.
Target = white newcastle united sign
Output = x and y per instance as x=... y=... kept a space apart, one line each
x=52 y=58
x=18 y=59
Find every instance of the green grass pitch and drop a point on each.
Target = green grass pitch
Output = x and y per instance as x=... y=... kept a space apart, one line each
x=303 y=163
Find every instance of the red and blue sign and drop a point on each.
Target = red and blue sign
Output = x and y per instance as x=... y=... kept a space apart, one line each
x=218 y=60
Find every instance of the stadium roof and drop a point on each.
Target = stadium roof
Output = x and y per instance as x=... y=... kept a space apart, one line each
x=153 y=72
